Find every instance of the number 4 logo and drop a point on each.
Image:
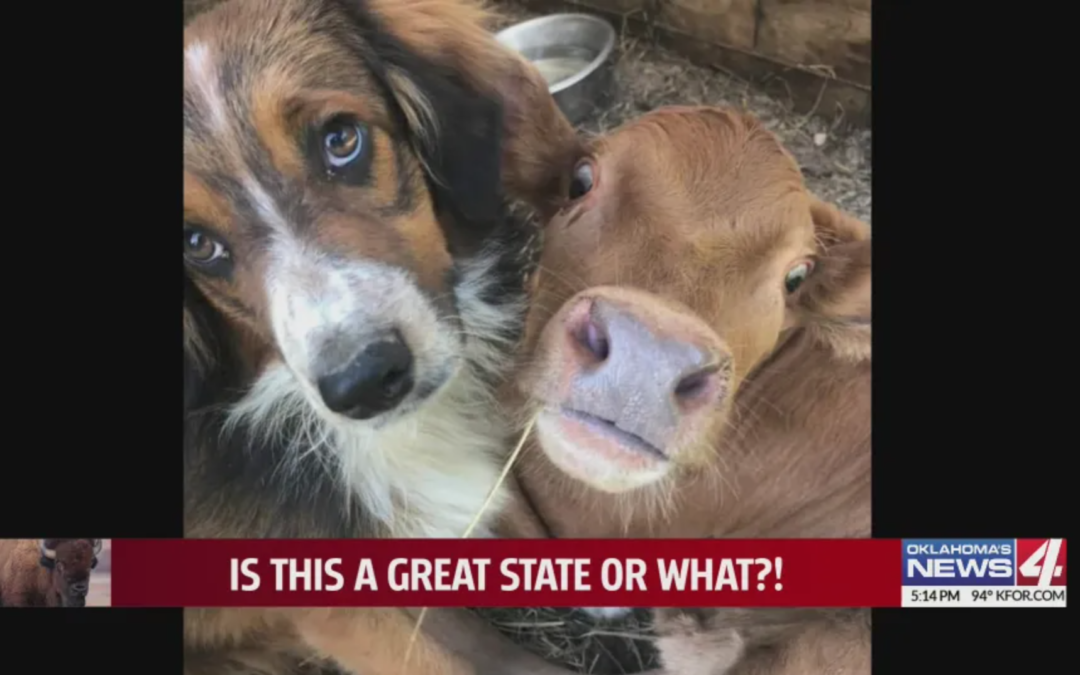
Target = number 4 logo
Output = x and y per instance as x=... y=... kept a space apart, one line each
x=1042 y=563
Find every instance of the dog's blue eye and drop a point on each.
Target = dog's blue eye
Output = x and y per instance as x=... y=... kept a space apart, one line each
x=797 y=275
x=344 y=141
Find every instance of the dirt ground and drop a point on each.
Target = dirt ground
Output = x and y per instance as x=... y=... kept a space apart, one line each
x=836 y=162
x=575 y=640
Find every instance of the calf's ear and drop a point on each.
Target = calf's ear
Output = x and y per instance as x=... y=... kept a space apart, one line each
x=835 y=301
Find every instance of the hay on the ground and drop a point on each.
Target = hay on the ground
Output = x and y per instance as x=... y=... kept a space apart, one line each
x=575 y=640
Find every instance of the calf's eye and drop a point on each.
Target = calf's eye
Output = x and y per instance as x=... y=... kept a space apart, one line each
x=581 y=182
x=797 y=275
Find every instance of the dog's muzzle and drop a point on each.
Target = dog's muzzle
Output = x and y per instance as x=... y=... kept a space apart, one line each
x=373 y=382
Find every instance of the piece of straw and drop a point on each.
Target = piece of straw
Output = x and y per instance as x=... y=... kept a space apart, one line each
x=472 y=526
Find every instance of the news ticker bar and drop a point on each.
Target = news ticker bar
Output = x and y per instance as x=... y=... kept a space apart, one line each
x=983 y=596
x=589 y=573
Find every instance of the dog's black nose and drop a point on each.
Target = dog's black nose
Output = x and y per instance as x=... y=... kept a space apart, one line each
x=373 y=383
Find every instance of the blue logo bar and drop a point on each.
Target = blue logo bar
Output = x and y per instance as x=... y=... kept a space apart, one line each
x=959 y=562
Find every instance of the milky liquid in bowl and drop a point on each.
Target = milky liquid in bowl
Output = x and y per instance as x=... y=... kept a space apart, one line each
x=559 y=63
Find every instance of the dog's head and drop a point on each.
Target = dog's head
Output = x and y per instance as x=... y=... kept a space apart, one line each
x=343 y=160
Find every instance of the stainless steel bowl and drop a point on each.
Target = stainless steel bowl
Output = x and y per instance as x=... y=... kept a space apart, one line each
x=573 y=53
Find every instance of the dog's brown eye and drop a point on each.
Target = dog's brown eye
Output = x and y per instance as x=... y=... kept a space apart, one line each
x=344 y=141
x=581 y=183
x=201 y=248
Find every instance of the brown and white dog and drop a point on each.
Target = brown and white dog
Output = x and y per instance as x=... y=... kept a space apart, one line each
x=353 y=289
x=698 y=355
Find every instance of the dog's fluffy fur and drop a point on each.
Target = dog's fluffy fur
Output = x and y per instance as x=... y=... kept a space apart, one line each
x=458 y=119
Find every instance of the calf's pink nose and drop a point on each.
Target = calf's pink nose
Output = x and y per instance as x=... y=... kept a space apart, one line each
x=640 y=365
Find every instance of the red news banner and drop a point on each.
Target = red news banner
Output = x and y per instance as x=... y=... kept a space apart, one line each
x=507 y=573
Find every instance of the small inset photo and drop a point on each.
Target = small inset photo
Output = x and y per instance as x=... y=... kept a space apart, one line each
x=55 y=573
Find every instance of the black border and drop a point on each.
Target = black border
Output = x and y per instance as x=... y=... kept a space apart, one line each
x=93 y=328
x=964 y=328
x=92 y=322
x=962 y=440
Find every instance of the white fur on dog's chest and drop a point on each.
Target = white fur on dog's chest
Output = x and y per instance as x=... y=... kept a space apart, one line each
x=429 y=476
x=445 y=505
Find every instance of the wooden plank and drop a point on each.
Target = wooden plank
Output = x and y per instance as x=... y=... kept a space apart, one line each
x=726 y=22
x=618 y=6
x=809 y=92
x=859 y=5
x=833 y=33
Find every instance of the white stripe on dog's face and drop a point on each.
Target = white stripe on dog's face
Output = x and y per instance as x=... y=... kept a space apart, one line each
x=264 y=204
x=201 y=74
x=200 y=71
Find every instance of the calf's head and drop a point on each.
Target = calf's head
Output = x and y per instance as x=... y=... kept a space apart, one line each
x=70 y=562
x=690 y=250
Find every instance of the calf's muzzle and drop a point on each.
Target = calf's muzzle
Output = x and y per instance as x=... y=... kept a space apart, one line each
x=642 y=365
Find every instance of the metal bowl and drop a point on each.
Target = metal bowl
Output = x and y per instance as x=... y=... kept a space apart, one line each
x=573 y=53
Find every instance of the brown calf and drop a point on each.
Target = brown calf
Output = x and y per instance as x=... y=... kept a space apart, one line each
x=46 y=572
x=698 y=358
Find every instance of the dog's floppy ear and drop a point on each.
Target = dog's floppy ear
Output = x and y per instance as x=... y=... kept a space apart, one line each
x=477 y=102
x=835 y=300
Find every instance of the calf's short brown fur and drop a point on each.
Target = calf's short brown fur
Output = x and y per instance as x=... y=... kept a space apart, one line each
x=692 y=241
x=764 y=642
x=453 y=119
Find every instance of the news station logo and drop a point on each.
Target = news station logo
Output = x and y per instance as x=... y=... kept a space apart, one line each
x=959 y=562
x=984 y=572
x=984 y=562
x=1040 y=562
